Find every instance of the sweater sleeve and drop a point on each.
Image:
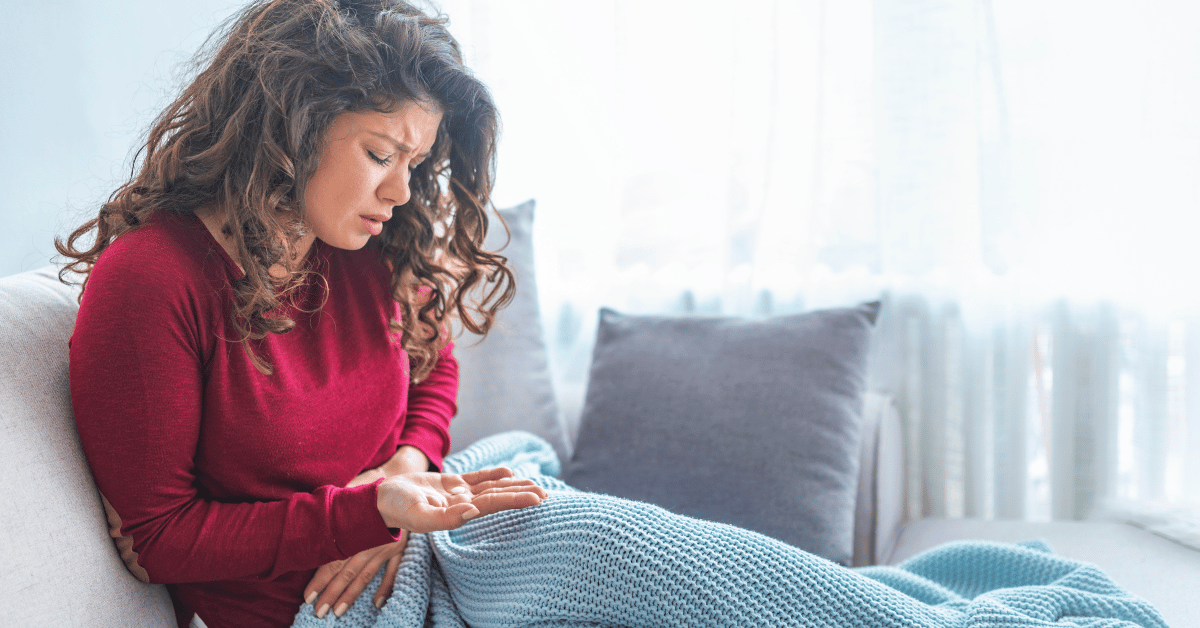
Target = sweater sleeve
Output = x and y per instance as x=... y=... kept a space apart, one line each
x=431 y=405
x=137 y=387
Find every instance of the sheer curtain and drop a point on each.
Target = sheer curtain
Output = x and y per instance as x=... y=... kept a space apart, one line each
x=1018 y=181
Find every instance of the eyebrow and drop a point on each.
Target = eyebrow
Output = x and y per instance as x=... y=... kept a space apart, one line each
x=403 y=147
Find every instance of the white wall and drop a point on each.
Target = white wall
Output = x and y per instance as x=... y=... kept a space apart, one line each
x=82 y=81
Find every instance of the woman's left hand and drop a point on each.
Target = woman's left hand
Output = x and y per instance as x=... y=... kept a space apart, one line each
x=342 y=581
x=336 y=585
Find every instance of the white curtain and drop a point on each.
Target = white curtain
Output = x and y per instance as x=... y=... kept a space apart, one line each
x=1017 y=180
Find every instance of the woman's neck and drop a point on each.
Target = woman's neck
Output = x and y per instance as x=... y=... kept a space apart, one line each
x=214 y=218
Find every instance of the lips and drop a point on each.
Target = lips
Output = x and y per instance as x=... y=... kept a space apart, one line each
x=375 y=222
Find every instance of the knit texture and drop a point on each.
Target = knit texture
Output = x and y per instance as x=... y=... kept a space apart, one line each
x=583 y=559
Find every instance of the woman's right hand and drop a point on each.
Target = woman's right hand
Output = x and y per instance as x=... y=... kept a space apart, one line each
x=425 y=502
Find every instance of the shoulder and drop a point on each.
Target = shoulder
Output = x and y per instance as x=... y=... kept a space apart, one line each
x=155 y=289
x=168 y=258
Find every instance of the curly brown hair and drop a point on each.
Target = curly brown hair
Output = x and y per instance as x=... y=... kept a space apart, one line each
x=245 y=135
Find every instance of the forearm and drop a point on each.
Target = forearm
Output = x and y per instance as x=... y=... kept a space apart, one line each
x=431 y=405
x=200 y=540
x=407 y=459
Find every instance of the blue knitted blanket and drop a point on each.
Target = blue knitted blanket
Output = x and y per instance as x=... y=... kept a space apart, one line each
x=583 y=559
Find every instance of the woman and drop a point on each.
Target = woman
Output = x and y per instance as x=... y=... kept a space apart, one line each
x=261 y=370
x=262 y=377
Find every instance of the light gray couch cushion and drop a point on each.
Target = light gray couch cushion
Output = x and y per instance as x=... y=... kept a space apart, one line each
x=753 y=423
x=60 y=566
x=504 y=381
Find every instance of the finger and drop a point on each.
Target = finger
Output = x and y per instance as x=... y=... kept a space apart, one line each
x=498 y=500
x=515 y=483
x=320 y=579
x=428 y=518
x=358 y=583
x=389 y=579
x=508 y=481
x=483 y=475
x=340 y=581
x=390 y=571
x=455 y=484
x=535 y=490
x=461 y=489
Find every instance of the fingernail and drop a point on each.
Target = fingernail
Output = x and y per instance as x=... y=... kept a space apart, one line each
x=458 y=490
x=321 y=611
x=341 y=609
x=312 y=597
x=378 y=602
x=470 y=514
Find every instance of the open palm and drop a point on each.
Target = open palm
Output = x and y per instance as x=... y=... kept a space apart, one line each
x=425 y=502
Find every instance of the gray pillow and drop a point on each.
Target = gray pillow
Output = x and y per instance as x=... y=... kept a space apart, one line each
x=752 y=423
x=504 y=381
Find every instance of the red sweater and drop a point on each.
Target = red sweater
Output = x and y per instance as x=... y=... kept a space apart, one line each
x=227 y=481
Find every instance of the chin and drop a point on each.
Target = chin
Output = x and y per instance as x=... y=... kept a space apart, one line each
x=347 y=244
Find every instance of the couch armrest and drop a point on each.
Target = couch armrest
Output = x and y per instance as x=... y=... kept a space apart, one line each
x=879 y=509
x=61 y=568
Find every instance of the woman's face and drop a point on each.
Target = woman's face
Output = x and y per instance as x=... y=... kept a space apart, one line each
x=363 y=171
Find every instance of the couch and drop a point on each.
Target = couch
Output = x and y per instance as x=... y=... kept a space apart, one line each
x=62 y=570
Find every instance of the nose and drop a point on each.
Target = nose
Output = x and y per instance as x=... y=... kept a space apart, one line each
x=394 y=189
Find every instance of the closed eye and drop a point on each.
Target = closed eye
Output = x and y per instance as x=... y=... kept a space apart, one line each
x=383 y=161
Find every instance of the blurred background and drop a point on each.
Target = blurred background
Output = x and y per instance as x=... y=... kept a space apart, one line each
x=1018 y=181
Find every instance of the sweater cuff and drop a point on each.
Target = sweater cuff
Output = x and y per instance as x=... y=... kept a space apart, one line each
x=357 y=524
